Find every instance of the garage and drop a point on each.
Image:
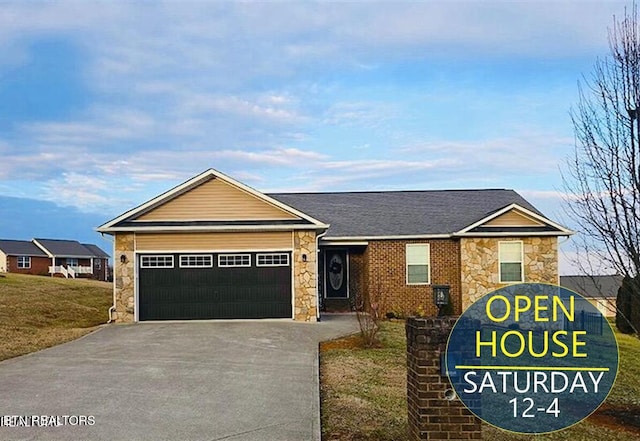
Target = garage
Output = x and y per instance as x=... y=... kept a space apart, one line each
x=198 y=286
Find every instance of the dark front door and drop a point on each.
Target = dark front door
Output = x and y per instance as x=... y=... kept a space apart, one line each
x=336 y=274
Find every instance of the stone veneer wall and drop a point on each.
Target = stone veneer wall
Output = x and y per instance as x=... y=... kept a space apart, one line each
x=305 y=289
x=479 y=264
x=386 y=278
x=123 y=275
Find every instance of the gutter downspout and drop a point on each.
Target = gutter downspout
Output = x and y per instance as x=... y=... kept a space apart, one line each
x=318 y=237
x=113 y=307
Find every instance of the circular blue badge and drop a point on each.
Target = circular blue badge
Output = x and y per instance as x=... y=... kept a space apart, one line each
x=532 y=358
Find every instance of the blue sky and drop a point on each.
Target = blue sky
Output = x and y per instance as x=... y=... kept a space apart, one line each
x=103 y=105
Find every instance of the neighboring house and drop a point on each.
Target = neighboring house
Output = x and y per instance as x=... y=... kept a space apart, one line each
x=24 y=257
x=67 y=258
x=213 y=247
x=601 y=291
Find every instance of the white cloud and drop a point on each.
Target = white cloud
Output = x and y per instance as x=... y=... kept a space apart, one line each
x=180 y=87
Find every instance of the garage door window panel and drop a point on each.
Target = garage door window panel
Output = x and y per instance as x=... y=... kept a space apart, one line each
x=156 y=261
x=273 y=259
x=196 y=261
x=234 y=260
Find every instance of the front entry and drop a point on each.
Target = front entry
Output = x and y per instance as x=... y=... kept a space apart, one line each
x=336 y=274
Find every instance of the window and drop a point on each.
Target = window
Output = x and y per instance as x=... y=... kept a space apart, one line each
x=156 y=261
x=273 y=259
x=24 y=262
x=98 y=264
x=196 y=261
x=510 y=257
x=417 y=264
x=72 y=261
x=230 y=260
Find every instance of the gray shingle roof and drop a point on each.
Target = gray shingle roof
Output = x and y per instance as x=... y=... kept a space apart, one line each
x=20 y=248
x=593 y=286
x=66 y=248
x=401 y=213
x=96 y=250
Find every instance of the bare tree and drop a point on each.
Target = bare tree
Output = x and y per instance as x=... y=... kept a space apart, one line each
x=602 y=178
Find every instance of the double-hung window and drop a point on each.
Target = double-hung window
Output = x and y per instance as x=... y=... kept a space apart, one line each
x=24 y=262
x=417 y=261
x=510 y=259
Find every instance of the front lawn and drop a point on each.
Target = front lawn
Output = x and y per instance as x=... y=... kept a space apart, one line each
x=37 y=312
x=363 y=394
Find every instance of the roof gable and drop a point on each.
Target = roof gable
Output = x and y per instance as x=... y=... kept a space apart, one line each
x=214 y=201
x=514 y=219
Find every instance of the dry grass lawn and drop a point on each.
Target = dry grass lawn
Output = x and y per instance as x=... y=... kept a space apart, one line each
x=363 y=394
x=37 y=312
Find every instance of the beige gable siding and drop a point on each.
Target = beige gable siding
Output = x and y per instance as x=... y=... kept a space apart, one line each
x=3 y=262
x=216 y=200
x=513 y=218
x=279 y=240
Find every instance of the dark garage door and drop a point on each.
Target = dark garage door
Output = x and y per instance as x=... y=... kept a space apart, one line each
x=214 y=286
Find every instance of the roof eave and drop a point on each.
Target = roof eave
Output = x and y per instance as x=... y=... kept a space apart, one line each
x=209 y=228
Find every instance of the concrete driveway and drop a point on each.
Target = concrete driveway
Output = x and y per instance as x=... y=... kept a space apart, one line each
x=173 y=381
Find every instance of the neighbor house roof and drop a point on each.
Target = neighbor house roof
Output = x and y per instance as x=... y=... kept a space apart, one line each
x=593 y=286
x=20 y=248
x=97 y=252
x=68 y=248
x=403 y=213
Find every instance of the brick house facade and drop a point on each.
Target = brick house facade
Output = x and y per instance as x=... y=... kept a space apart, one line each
x=239 y=253
x=37 y=266
x=54 y=257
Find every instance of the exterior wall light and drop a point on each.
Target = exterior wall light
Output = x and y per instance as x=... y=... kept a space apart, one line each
x=123 y=258
x=304 y=257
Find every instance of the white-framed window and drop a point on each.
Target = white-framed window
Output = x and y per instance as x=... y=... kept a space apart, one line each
x=273 y=259
x=510 y=258
x=418 y=266
x=156 y=261
x=97 y=264
x=231 y=260
x=24 y=262
x=196 y=261
x=72 y=261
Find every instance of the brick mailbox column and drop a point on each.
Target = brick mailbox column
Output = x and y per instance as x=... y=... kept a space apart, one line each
x=434 y=411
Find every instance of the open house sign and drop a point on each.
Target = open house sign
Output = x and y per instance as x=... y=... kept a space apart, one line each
x=532 y=358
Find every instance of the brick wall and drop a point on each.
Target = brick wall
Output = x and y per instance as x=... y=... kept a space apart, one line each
x=385 y=280
x=434 y=411
x=39 y=266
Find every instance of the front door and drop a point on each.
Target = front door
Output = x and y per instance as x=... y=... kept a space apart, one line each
x=336 y=274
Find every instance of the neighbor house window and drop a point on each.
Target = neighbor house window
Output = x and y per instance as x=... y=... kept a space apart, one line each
x=417 y=258
x=24 y=262
x=156 y=261
x=196 y=261
x=230 y=260
x=510 y=257
x=273 y=259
